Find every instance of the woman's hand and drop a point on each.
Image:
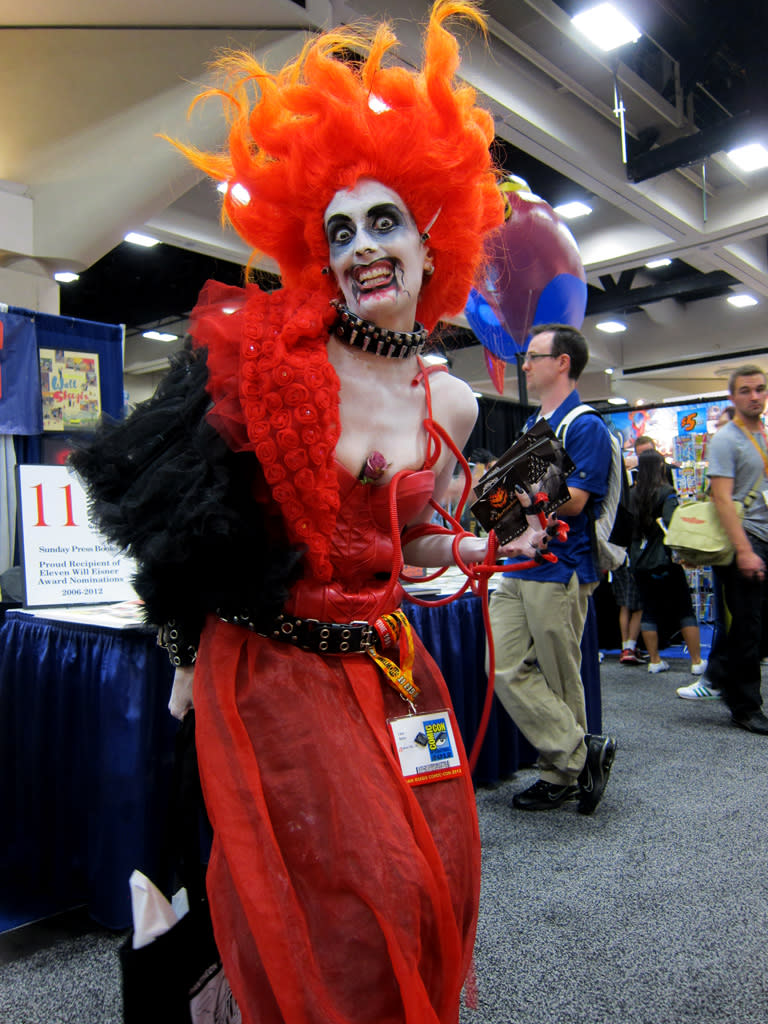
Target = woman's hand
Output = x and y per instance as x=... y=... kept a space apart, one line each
x=535 y=539
x=181 y=694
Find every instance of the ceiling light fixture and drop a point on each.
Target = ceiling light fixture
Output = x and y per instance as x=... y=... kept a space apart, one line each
x=239 y=192
x=742 y=301
x=136 y=238
x=573 y=210
x=611 y=326
x=65 y=277
x=749 y=158
x=377 y=104
x=657 y=264
x=608 y=370
x=160 y=336
x=606 y=27
x=615 y=400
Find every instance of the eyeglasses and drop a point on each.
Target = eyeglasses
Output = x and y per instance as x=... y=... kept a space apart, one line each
x=530 y=357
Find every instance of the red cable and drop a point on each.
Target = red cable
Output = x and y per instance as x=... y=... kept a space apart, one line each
x=477 y=575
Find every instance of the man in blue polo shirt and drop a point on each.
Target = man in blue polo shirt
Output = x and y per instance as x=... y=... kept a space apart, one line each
x=538 y=615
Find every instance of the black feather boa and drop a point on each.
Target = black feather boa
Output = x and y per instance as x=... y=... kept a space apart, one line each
x=194 y=515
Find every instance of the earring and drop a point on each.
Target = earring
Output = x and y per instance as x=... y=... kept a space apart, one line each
x=325 y=270
x=429 y=266
x=425 y=233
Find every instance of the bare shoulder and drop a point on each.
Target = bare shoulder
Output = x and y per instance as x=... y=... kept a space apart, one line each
x=453 y=405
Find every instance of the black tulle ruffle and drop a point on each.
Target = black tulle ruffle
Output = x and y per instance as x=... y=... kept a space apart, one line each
x=194 y=515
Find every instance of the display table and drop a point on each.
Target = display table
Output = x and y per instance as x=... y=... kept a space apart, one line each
x=86 y=749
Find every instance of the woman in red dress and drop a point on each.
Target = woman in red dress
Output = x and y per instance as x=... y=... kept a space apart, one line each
x=275 y=526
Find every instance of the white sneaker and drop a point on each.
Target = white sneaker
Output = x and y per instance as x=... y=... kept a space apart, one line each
x=699 y=668
x=698 y=691
x=659 y=666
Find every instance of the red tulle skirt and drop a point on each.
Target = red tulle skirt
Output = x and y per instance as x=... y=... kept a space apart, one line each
x=338 y=892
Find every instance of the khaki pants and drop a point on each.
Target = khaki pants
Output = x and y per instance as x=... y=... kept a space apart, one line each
x=537 y=628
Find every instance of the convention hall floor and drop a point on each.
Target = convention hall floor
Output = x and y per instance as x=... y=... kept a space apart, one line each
x=653 y=911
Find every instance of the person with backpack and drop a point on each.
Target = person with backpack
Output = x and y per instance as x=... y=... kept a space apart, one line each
x=663 y=586
x=537 y=615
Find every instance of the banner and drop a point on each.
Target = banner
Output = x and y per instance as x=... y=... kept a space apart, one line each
x=20 y=401
x=692 y=419
x=65 y=561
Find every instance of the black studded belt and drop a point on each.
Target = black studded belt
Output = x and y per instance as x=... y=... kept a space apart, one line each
x=311 y=634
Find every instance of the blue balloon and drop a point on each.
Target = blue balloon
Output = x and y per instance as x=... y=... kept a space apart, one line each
x=563 y=301
x=486 y=326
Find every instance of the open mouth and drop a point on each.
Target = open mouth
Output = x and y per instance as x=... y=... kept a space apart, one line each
x=374 y=276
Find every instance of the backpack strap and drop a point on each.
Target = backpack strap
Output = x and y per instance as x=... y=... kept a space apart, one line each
x=570 y=416
x=589 y=507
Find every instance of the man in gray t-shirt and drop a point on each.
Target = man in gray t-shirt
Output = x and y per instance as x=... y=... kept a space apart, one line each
x=738 y=470
x=732 y=454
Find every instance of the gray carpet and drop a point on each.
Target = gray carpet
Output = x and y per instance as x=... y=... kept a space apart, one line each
x=653 y=911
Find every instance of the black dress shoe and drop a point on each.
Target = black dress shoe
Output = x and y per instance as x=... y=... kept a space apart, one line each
x=593 y=779
x=543 y=796
x=756 y=722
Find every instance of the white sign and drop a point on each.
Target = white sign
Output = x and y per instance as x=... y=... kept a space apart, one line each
x=65 y=561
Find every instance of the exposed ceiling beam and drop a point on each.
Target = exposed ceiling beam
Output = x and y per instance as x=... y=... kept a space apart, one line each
x=748 y=354
x=689 y=287
x=693 y=148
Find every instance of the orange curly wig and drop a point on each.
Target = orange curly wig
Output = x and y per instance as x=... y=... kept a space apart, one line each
x=320 y=124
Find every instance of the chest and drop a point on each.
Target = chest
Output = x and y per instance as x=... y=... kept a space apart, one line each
x=387 y=419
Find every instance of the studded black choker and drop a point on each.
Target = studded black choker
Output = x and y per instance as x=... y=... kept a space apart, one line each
x=369 y=337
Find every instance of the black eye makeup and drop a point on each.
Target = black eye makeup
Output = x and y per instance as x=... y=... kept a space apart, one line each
x=383 y=218
x=339 y=230
x=386 y=217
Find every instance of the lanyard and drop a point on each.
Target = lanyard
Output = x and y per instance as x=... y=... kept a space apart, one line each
x=392 y=628
x=750 y=434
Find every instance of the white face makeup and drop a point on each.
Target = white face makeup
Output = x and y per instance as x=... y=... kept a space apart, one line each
x=376 y=254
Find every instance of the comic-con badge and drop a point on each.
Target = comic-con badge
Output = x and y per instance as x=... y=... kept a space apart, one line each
x=426 y=747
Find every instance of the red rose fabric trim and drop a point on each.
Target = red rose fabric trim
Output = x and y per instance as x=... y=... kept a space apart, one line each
x=275 y=393
x=285 y=371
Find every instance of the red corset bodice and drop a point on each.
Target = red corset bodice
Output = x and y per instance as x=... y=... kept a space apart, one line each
x=362 y=549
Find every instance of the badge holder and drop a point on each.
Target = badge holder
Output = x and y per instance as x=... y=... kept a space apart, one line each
x=425 y=745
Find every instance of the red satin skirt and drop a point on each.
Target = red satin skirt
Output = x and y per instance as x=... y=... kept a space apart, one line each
x=338 y=892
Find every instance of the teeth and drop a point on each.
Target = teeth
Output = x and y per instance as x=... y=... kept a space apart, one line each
x=372 y=275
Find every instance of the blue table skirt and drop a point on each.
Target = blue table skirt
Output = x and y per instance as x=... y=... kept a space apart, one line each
x=86 y=749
